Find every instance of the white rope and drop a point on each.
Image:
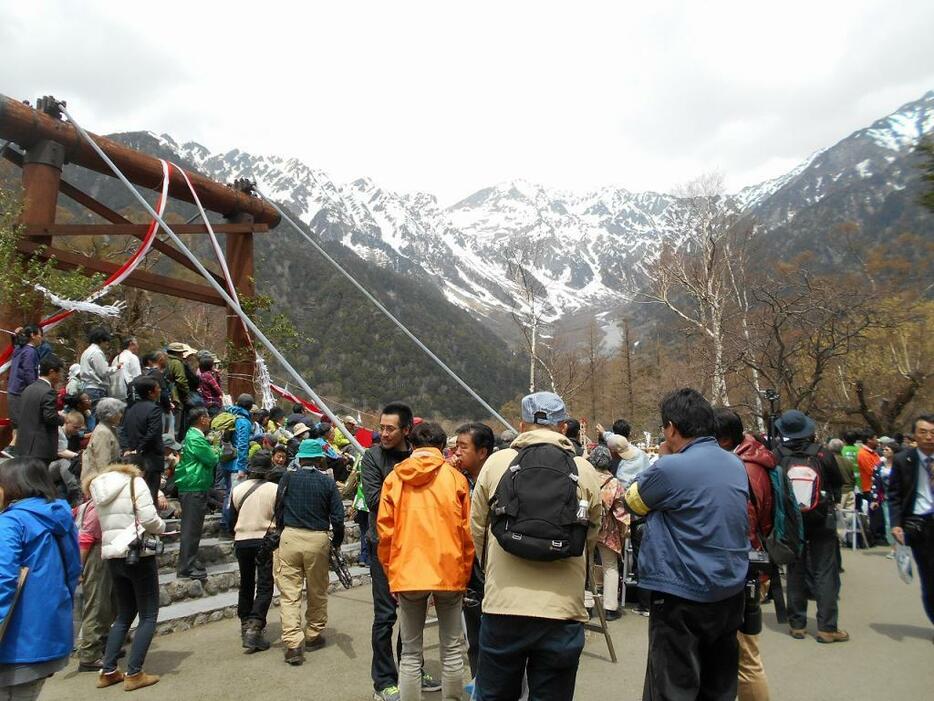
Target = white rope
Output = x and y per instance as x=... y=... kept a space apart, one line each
x=387 y=313
x=87 y=306
x=231 y=302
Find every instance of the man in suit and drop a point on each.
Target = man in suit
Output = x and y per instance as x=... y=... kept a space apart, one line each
x=910 y=496
x=143 y=426
x=39 y=418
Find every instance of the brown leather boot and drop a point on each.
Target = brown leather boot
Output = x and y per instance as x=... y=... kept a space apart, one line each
x=132 y=682
x=105 y=679
x=832 y=636
x=294 y=656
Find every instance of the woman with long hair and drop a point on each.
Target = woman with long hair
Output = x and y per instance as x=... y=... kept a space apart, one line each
x=39 y=571
x=24 y=368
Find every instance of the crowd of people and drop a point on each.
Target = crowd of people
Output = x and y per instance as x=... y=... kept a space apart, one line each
x=513 y=539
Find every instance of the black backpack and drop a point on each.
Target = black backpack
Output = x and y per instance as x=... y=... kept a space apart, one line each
x=533 y=512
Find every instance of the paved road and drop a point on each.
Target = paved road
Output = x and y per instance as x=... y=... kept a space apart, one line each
x=890 y=656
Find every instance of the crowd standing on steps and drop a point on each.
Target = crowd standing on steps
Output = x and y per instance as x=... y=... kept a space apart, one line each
x=511 y=537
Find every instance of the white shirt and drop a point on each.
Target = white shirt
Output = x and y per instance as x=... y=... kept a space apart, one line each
x=131 y=369
x=924 y=503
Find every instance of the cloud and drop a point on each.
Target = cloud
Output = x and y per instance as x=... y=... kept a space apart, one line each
x=450 y=98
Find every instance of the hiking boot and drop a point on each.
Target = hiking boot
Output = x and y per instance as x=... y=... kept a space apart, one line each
x=614 y=615
x=314 y=643
x=832 y=636
x=244 y=629
x=295 y=656
x=106 y=679
x=91 y=665
x=254 y=641
x=132 y=682
x=429 y=683
x=797 y=633
x=390 y=693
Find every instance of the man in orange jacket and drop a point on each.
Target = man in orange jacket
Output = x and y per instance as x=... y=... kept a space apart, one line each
x=426 y=548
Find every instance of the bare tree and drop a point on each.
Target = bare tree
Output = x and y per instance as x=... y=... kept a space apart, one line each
x=532 y=310
x=692 y=276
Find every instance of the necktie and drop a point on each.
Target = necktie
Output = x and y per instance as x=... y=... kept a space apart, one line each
x=927 y=466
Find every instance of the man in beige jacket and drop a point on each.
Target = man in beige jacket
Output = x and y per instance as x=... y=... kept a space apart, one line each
x=533 y=610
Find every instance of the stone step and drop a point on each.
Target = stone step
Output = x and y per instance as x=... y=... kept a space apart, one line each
x=183 y=615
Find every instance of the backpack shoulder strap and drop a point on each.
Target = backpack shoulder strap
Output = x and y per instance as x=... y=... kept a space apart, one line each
x=237 y=507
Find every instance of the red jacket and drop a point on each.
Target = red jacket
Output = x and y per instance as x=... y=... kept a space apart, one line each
x=758 y=461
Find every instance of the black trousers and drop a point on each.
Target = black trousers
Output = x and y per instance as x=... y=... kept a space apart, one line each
x=194 y=506
x=693 y=649
x=923 y=551
x=546 y=650
x=256 y=581
x=383 y=668
x=136 y=588
x=817 y=571
x=153 y=481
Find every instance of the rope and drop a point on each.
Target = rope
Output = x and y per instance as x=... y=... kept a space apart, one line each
x=386 y=312
x=231 y=302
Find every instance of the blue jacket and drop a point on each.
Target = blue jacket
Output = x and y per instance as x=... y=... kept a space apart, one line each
x=696 y=542
x=243 y=430
x=40 y=535
x=24 y=368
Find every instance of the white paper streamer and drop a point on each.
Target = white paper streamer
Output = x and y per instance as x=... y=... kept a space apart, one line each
x=87 y=306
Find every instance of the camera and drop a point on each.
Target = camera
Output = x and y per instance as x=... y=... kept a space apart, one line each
x=147 y=543
x=752 y=611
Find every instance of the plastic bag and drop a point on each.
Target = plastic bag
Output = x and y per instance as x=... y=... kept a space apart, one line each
x=903 y=562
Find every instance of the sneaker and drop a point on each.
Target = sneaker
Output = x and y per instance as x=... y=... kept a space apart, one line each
x=614 y=615
x=132 y=682
x=890 y=556
x=832 y=636
x=797 y=633
x=106 y=679
x=640 y=610
x=390 y=693
x=91 y=665
x=429 y=683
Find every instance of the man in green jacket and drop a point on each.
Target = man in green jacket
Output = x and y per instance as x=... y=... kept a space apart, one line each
x=194 y=477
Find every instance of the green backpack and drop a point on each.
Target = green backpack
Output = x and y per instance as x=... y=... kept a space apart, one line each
x=222 y=429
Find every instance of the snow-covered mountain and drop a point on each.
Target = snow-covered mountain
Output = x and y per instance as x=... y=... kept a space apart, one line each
x=578 y=246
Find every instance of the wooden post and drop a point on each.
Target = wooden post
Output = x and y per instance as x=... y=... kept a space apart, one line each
x=240 y=262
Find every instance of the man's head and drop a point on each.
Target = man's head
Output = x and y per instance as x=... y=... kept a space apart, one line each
x=728 y=428
x=205 y=362
x=350 y=423
x=924 y=433
x=870 y=439
x=622 y=428
x=542 y=410
x=52 y=368
x=474 y=445
x=835 y=445
x=280 y=455
x=245 y=401
x=162 y=360
x=572 y=429
x=131 y=345
x=147 y=388
x=298 y=409
x=395 y=425
x=170 y=446
x=99 y=335
x=199 y=418
x=310 y=453
x=74 y=423
x=850 y=437
x=429 y=435
x=686 y=415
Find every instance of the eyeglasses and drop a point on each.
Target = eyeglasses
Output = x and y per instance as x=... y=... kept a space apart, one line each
x=925 y=432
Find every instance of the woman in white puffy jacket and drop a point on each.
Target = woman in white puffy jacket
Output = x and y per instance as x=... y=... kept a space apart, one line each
x=126 y=512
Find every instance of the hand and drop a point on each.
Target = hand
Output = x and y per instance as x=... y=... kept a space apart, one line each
x=899 y=535
x=162 y=502
x=600 y=430
x=873 y=506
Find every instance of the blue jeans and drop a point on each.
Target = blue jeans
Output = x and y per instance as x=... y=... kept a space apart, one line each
x=136 y=588
x=547 y=650
x=96 y=395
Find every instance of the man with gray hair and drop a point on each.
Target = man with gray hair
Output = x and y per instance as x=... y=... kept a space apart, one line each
x=533 y=605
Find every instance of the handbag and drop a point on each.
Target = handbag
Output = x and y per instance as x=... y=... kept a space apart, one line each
x=274 y=532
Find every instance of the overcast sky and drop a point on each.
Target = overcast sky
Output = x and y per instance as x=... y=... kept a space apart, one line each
x=451 y=97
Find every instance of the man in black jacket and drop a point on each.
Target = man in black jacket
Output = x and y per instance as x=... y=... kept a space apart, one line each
x=395 y=424
x=818 y=567
x=910 y=496
x=39 y=419
x=143 y=426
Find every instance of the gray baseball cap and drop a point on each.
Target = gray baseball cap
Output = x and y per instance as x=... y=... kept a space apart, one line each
x=168 y=441
x=543 y=408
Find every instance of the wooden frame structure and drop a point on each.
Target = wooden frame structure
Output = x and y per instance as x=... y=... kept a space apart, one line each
x=48 y=143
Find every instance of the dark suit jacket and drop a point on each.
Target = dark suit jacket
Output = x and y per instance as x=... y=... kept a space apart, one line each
x=37 y=434
x=143 y=425
x=903 y=484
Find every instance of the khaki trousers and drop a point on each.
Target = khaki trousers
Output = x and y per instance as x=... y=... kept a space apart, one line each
x=753 y=684
x=302 y=561
x=99 y=608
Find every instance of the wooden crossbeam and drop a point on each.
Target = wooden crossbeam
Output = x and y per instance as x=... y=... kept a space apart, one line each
x=139 y=230
x=141 y=279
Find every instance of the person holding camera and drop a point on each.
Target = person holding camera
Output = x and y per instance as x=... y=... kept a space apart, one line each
x=758 y=461
x=694 y=557
x=129 y=526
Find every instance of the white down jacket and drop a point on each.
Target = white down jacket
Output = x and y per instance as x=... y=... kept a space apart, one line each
x=111 y=494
